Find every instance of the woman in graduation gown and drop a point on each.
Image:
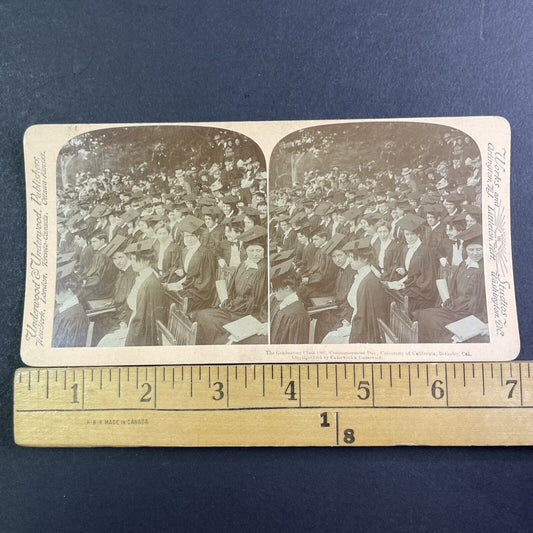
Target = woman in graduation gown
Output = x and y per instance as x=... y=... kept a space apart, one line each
x=289 y=320
x=166 y=252
x=247 y=293
x=386 y=250
x=451 y=250
x=417 y=266
x=197 y=267
x=467 y=294
x=145 y=299
x=70 y=321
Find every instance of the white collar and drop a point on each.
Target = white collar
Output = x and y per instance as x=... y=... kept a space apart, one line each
x=213 y=228
x=251 y=264
x=433 y=227
x=288 y=300
x=364 y=271
x=345 y=266
x=470 y=263
x=415 y=245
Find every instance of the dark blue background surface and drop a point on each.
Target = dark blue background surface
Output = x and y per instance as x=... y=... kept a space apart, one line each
x=141 y=61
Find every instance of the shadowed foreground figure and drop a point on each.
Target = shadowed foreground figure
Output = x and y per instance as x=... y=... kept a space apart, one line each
x=70 y=321
x=289 y=321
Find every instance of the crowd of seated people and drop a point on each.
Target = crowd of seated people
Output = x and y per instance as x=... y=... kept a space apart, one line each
x=352 y=246
x=134 y=246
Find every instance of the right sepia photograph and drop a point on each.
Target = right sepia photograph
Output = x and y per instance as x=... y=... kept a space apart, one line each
x=376 y=236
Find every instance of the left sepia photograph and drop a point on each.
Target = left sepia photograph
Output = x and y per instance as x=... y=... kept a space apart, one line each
x=161 y=238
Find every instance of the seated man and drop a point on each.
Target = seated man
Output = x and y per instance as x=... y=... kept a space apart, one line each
x=289 y=321
x=70 y=321
x=327 y=320
x=99 y=279
x=322 y=274
x=367 y=299
x=118 y=319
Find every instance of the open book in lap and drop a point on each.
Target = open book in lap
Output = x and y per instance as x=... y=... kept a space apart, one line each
x=467 y=328
x=243 y=328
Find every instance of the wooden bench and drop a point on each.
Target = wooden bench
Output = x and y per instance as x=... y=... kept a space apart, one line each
x=181 y=330
x=402 y=327
x=386 y=334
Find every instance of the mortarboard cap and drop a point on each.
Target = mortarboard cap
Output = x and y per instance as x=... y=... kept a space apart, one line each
x=410 y=222
x=100 y=211
x=334 y=243
x=322 y=209
x=352 y=213
x=129 y=216
x=74 y=220
x=280 y=257
x=212 y=211
x=454 y=197
x=434 y=209
x=190 y=224
x=230 y=199
x=281 y=269
x=138 y=247
x=116 y=242
x=250 y=211
x=206 y=201
x=255 y=235
x=472 y=235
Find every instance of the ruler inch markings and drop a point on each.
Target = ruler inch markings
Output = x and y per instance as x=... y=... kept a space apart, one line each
x=478 y=392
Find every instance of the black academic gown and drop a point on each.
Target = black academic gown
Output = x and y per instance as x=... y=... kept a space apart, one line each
x=199 y=284
x=100 y=277
x=467 y=297
x=329 y=320
x=170 y=260
x=142 y=329
x=372 y=303
x=211 y=239
x=307 y=258
x=391 y=260
x=123 y=285
x=434 y=239
x=420 y=286
x=289 y=325
x=247 y=295
x=70 y=328
x=85 y=256
x=322 y=275
x=289 y=240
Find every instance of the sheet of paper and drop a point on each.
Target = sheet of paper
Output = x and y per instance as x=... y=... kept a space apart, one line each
x=467 y=328
x=222 y=290
x=243 y=328
x=442 y=287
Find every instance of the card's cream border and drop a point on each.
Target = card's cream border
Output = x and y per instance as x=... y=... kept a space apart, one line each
x=42 y=143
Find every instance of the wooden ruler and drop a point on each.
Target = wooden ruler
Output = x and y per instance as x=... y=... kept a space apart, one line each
x=276 y=405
